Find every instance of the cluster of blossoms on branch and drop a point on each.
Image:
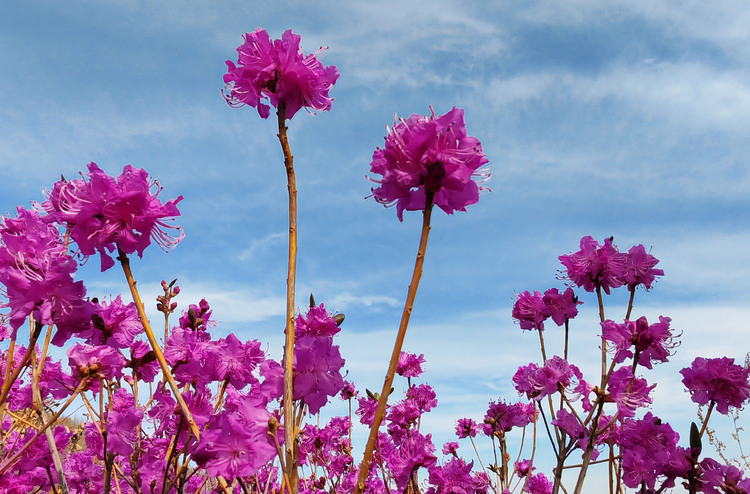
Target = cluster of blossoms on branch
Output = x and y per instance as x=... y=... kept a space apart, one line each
x=603 y=415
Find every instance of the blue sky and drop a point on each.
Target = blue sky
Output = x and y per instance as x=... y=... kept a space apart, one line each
x=630 y=119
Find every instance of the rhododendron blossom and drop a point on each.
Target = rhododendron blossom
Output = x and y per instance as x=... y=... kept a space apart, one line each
x=640 y=267
x=429 y=158
x=651 y=343
x=595 y=265
x=717 y=380
x=37 y=276
x=106 y=213
x=530 y=310
x=279 y=73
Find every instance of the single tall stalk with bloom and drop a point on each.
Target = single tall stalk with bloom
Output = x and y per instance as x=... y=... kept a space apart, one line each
x=427 y=161
x=279 y=73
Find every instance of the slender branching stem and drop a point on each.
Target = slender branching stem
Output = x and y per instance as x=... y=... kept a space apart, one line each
x=125 y=263
x=7 y=383
x=372 y=440
x=10 y=462
x=289 y=429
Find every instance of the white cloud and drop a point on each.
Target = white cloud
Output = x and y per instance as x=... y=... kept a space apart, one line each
x=344 y=300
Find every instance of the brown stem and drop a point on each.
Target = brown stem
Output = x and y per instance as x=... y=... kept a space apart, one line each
x=631 y=289
x=39 y=406
x=289 y=431
x=383 y=399
x=125 y=262
x=8 y=383
x=708 y=415
x=9 y=463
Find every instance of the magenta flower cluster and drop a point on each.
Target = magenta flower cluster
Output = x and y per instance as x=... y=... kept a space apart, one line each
x=106 y=214
x=651 y=459
x=532 y=309
x=277 y=71
x=603 y=266
x=429 y=160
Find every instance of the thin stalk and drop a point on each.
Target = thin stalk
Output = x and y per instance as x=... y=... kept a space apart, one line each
x=9 y=463
x=39 y=406
x=604 y=342
x=289 y=430
x=364 y=466
x=708 y=415
x=598 y=406
x=631 y=289
x=7 y=383
x=125 y=262
x=6 y=372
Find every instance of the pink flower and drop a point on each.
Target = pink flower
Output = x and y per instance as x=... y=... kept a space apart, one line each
x=538 y=484
x=428 y=159
x=317 y=361
x=279 y=73
x=123 y=423
x=538 y=382
x=572 y=426
x=466 y=428
x=640 y=267
x=595 y=265
x=652 y=343
x=107 y=213
x=316 y=322
x=719 y=380
x=413 y=452
x=95 y=362
x=530 y=311
x=647 y=447
x=717 y=478
x=37 y=276
x=503 y=416
x=628 y=391
x=409 y=364
x=561 y=306
x=234 y=446
x=114 y=324
x=455 y=477
x=317 y=371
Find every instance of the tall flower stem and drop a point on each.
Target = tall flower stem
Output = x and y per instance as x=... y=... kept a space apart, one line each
x=125 y=263
x=705 y=420
x=289 y=432
x=8 y=382
x=39 y=408
x=408 y=304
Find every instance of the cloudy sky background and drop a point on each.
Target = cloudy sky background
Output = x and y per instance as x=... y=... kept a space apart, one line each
x=631 y=120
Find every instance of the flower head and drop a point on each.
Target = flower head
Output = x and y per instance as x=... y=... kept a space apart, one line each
x=428 y=159
x=640 y=267
x=530 y=311
x=719 y=380
x=501 y=416
x=628 y=391
x=651 y=343
x=595 y=265
x=106 y=213
x=37 y=276
x=561 y=306
x=647 y=447
x=409 y=364
x=466 y=427
x=278 y=72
